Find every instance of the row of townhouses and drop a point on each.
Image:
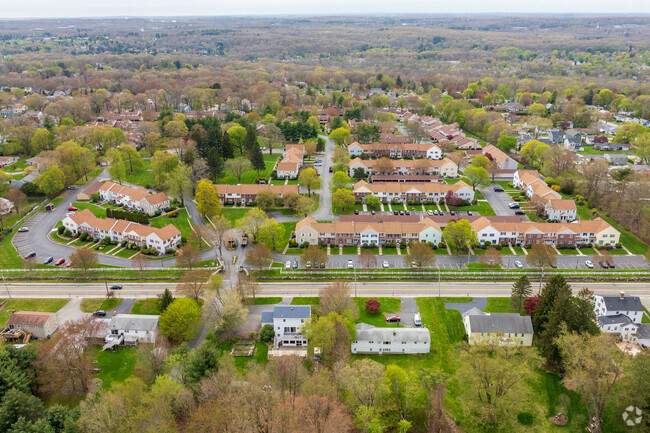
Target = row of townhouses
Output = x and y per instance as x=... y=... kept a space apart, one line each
x=556 y=208
x=355 y=232
x=138 y=199
x=402 y=191
x=160 y=239
x=292 y=160
x=443 y=167
x=247 y=193
x=396 y=151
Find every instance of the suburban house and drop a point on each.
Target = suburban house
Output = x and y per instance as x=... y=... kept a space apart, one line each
x=612 y=146
x=159 y=239
x=372 y=340
x=291 y=162
x=40 y=325
x=402 y=191
x=504 y=328
x=464 y=143
x=616 y=158
x=396 y=151
x=596 y=232
x=622 y=315
x=561 y=210
x=287 y=322
x=573 y=141
x=131 y=330
x=503 y=161
x=138 y=199
x=360 y=232
x=247 y=193
x=556 y=136
x=444 y=167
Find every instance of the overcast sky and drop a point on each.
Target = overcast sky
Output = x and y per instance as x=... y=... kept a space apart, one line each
x=94 y=8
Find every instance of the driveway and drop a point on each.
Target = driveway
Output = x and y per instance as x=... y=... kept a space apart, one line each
x=480 y=303
x=124 y=307
x=324 y=212
x=71 y=311
x=409 y=308
x=498 y=200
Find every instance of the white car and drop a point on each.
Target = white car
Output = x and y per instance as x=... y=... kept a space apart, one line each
x=287 y=265
x=385 y=264
x=518 y=264
x=429 y=212
x=589 y=264
x=513 y=205
x=350 y=264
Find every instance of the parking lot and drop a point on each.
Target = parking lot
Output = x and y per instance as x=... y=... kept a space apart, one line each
x=24 y=246
x=499 y=201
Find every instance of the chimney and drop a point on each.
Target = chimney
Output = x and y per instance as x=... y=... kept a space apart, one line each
x=621 y=294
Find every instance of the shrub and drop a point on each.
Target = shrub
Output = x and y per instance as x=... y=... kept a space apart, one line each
x=68 y=233
x=266 y=333
x=499 y=247
x=169 y=251
x=83 y=236
x=94 y=197
x=106 y=241
x=619 y=245
x=372 y=306
x=122 y=243
x=60 y=230
x=144 y=250
x=158 y=212
x=402 y=245
x=172 y=214
x=525 y=418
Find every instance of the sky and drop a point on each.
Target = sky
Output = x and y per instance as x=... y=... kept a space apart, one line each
x=112 y=8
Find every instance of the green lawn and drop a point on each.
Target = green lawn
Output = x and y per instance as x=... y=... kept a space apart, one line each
x=349 y=211
x=350 y=250
x=143 y=176
x=294 y=251
x=126 y=254
x=482 y=208
x=267 y=300
x=391 y=251
x=19 y=165
x=10 y=220
x=288 y=229
x=182 y=223
x=588 y=251
x=97 y=210
x=249 y=175
x=584 y=213
x=618 y=252
x=313 y=300
x=88 y=305
x=234 y=214
x=242 y=362
x=631 y=241
x=114 y=366
x=568 y=252
x=93 y=174
x=498 y=305
x=519 y=251
x=42 y=305
x=9 y=257
x=146 y=306
x=388 y=306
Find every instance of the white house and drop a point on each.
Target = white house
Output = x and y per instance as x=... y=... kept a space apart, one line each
x=287 y=322
x=561 y=210
x=138 y=199
x=138 y=328
x=401 y=191
x=370 y=339
x=610 y=305
x=619 y=324
x=505 y=328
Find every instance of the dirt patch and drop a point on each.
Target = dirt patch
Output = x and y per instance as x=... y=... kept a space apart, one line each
x=559 y=419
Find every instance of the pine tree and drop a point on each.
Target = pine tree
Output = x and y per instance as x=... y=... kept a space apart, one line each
x=215 y=163
x=256 y=158
x=251 y=138
x=166 y=299
x=227 y=149
x=550 y=292
x=521 y=290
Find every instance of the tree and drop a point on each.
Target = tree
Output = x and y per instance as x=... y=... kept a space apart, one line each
x=215 y=164
x=541 y=256
x=256 y=158
x=237 y=134
x=339 y=136
x=480 y=161
x=343 y=199
x=313 y=254
x=603 y=258
x=188 y=256
x=309 y=179
x=51 y=181
x=303 y=206
x=250 y=139
x=84 y=259
x=372 y=306
x=259 y=256
x=180 y=321
x=193 y=284
x=310 y=148
x=593 y=365
x=494 y=371
x=117 y=169
x=641 y=147
x=274 y=137
x=460 y=234
x=17 y=409
x=17 y=197
x=237 y=168
x=367 y=259
x=372 y=201
x=416 y=132
x=165 y=299
x=207 y=199
x=335 y=298
x=521 y=290
x=530 y=305
x=333 y=333
x=533 y=152
x=175 y=129
x=220 y=226
x=420 y=255
x=340 y=180
x=266 y=333
x=341 y=160
x=452 y=199
x=459 y=158
x=476 y=176
x=636 y=385
x=251 y=223
x=179 y=182
x=271 y=234
x=131 y=156
x=383 y=166
x=140 y=261
x=507 y=143
x=231 y=314
x=402 y=392
x=267 y=200
x=491 y=257
x=202 y=362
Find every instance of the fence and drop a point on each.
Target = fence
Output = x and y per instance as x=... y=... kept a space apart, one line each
x=378 y=273
x=144 y=269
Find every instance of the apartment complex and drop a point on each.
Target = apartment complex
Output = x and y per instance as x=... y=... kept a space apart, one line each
x=159 y=239
x=291 y=162
x=378 y=150
x=138 y=199
x=536 y=189
x=356 y=232
x=247 y=193
x=444 y=167
x=400 y=191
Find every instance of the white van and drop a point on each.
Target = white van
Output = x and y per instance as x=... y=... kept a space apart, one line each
x=417 y=319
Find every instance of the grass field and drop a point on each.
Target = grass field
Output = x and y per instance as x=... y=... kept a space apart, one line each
x=234 y=214
x=388 y=306
x=350 y=250
x=631 y=242
x=146 y=306
x=88 y=305
x=244 y=362
x=267 y=300
x=42 y=305
x=9 y=258
x=313 y=300
x=249 y=175
x=19 y=165
x=142 y=176
x=97 y=210
x=498 y=305
x=182 y=223
x=115 y=366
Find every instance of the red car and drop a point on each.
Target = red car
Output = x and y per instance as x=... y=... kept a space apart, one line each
x=59 y=262
x=67 y=265
x=393 y=319
x=72 y=208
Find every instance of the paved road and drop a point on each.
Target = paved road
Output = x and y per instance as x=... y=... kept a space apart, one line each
x=288 y=289
x=498 y=200
x=324 y=211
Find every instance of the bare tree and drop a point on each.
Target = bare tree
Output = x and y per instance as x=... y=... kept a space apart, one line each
x=335 y=297
x=84 y=259
x=248 y=287
x=17 y=197
x=140 y=261
x=367 y=259
x=491 y=257
x=237 y=168
x=383 y=166
x=154 y=356
x=313 y=254
x=420 y=255
x=194 y=284
x=259 y=256
x=289 y=373
x=188 y=256
x=220 y=227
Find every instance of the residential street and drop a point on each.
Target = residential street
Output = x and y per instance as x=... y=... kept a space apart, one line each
x=324 y=212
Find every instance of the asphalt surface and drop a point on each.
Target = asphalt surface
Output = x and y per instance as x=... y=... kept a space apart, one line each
x=409 y=309
x=289 y=289
x=476 y=302
x=499 y=201
x=324 y=211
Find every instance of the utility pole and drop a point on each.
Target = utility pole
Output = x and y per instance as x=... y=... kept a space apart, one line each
x=6 y=286
x=106 y=284
x=438 y=282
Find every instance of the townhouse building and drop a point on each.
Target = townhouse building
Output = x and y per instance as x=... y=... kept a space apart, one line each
x=159 y=239
x=138 y=199
x=372 y=340
x=556 y=208
x=402 y=191
x=561 y=210
x=247 y=193
x=444 y=167
x=596 y=232
x=503 y=160
x=395 y=151
x=360 y=233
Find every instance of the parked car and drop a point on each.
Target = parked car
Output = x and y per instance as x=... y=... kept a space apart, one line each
x=603 y=265
x=116 y=287
x=373 y=212
x=385 y=265
x=407 y=212
x=429 y=212
x=401 y=212
x=451 y=212
x=513 y=205
x=356 y=212
x=72 y=208
x=520 y=212
x=59 y=262
x=99 y=313
x=395 y=212
x=435 y=212
x=497 y=189
x=23 y=229
x=417 y=320
x=589 y=264
x=393 y=318
x=350 y=264
x=68 y=265
x=294 y=264
x=30 y=255
x=72 y=187
x=518 y=264
x=48 y=260
x=469 y=212
x=308 y=264
x=331 y=170
x=287 y=265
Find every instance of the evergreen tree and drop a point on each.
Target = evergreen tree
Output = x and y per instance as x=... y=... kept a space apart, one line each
x=203 y=362
x=166 y=299
x=215 y=163
x=399 y=81
x=214 y=138
x=549 y=293
x=200 y=137
x=256 y=158
x=521 y=290
x=227 y=149
x=250 y=139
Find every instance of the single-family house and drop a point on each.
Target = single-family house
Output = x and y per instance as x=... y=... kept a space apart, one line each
x=616 y=158
x=40 y=325
x=612 y=305
x=287 y=322
x=504 y=162
x=501 y=328
x=133 y=329
x=573 y=141
x=372 y=340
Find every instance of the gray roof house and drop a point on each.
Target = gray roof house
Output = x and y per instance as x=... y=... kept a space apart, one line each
x=370 y=339
x=505 y=328
x=556 y=136
x=573 y=141
x=136 y=328
x=287 y=322
x=616 y=158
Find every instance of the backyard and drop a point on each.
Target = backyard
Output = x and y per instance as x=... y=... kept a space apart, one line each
x=249 y=175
